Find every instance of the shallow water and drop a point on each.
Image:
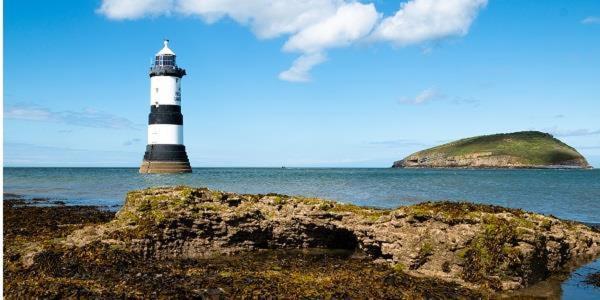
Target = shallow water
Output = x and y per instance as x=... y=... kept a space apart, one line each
x=570 y=286
x=567 y=194
x=575 y=288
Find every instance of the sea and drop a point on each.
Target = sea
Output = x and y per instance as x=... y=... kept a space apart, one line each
x=568 y=194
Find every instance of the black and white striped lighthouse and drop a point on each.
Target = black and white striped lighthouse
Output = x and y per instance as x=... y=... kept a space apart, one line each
x=165 y=152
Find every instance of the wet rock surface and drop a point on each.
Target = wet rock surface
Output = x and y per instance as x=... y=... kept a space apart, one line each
x=483 y=160
x=477 y=246
x=103 y=270
x=436 y=250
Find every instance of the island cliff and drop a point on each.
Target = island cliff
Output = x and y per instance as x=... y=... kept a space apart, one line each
x=526 y=149
x=182 y=234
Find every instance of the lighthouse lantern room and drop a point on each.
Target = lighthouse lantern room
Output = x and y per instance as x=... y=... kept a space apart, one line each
x=165 y=152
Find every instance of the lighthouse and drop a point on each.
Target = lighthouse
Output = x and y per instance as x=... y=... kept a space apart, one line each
x=165 y=152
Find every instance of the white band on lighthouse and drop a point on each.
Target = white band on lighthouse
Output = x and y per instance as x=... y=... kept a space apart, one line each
x=165 y=134
x=165 y=90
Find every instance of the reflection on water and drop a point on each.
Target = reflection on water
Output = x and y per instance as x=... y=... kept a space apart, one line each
x=575 y=288
x=568 y=285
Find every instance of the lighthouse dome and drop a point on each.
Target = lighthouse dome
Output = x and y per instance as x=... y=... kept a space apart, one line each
x=165 y=50
x=165 y=57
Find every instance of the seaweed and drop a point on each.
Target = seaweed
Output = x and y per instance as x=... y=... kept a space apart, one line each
x=101 y=270
x=593 y=279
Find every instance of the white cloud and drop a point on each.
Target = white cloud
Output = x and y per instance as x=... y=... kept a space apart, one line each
x=424 y=96
x=266 y=18
x=131 y=142
x=86 y=118
x=433 y=94
x=313 y=26
x=572 y=132
x=133 y=9
x=350 y=22
x=422 y=20
x=591 y=20
x=298 y=72
x=27 y=112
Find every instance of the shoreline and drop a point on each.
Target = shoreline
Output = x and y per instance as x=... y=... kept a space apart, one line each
x=38 y=199
x=533 y=167
x=325 y=168
x=320 y=260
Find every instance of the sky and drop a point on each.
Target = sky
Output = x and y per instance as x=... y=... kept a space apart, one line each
x=321 y=83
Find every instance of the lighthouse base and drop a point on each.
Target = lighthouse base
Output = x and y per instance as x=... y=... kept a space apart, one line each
x=165 y=159
x=165 y=167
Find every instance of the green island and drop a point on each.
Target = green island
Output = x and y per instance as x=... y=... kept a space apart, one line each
x=525 y=149
x=174 y=242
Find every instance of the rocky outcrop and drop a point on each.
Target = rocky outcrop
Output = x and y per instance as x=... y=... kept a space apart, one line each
x=475 y=246
x=38 y=266
x=479 y=160
x=526 y=149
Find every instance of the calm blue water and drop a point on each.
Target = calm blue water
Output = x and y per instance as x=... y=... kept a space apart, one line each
x=575 y=288
x=568 y=194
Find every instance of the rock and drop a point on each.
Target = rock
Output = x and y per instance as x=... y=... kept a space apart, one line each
x=526 y=149
x=106 y=270
x=475 y=246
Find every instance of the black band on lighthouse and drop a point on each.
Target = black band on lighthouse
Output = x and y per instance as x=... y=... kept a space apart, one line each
x=165 y=108
x=172 y=119
x=165 y=152
x=165 y=114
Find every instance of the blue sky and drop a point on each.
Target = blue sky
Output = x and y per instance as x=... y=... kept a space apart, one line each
x=353 y=84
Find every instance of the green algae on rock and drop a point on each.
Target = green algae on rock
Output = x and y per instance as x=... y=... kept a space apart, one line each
x=108 y=271
x=525 y=149
x=478 y=247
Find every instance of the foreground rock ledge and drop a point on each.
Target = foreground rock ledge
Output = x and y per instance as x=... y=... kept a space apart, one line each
x=477 y=246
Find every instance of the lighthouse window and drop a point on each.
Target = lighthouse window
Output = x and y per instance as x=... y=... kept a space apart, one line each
x=165 y=60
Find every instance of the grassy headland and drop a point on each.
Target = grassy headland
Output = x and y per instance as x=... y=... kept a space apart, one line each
x=525 y=149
